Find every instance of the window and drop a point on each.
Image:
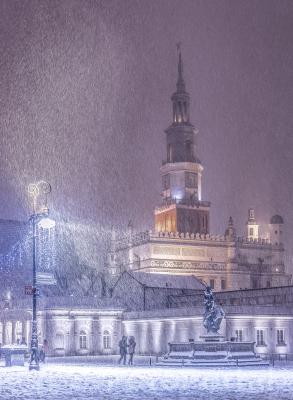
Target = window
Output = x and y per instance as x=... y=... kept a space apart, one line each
x=268 y=284
x=250 y=231
x=18 y=331
x=82 y=340
x=106 y=340
x=239 y=335
x=260 y=337
x=212 y=283
x=188 y=150
x=169 y=153
x=223 y=284
x=254 y=284
x=166 y=181
x=59 y=340
x=280 y=337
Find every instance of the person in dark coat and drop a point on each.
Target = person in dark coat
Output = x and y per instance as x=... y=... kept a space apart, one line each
x=123 y=349
x=43 y=351
x=131 y=349
x=42 y=354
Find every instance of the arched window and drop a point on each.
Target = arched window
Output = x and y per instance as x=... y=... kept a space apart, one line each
x=82 y=340
x=106 y=340
x=169 y=153
x=188 y=150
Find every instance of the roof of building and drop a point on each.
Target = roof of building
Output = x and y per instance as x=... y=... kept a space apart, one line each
x=197 y=311
x=70 y=302
x=277 y=219
x=155 y=280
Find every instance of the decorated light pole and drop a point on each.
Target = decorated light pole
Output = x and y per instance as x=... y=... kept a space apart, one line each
x=40 y=217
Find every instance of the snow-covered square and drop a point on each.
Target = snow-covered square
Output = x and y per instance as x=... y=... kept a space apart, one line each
x=69 y=381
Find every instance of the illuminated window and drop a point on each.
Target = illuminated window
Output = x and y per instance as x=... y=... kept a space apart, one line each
x=106 y=340
x=260 y=337
x=239 y=335
x=59 y=341
x=82 y=340
x=280 y=337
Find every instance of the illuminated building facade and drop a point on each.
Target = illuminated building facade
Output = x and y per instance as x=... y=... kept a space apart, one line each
x=182 y=208
x=92 y=326
x=181 y=242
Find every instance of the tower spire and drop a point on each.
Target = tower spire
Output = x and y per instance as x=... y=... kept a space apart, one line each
x=180 y=81
x=180 y=98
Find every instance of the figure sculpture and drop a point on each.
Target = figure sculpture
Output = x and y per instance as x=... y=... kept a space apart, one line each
x=213 y=313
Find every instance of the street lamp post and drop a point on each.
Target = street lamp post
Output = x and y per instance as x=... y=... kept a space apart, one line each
x=38 y=218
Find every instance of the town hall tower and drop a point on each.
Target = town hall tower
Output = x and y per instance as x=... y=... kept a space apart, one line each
x=182 y=208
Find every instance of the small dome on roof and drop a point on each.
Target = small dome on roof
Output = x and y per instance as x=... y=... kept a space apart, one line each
x=277 y=219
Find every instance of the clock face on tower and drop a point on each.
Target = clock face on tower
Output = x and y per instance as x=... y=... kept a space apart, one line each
x=190 y=180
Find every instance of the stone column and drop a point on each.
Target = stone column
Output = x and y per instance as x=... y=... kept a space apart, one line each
x=4 y=333
x=23 y=330
x=13 y=338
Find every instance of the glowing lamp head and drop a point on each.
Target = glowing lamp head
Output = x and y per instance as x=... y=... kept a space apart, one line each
x=46 y=223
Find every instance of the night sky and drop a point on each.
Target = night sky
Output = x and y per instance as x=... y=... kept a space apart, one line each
x=85 y=97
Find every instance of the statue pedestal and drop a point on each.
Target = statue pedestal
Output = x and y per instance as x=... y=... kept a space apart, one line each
x=212 y=351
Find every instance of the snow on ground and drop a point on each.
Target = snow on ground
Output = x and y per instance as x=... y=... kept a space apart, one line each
x=80 y=381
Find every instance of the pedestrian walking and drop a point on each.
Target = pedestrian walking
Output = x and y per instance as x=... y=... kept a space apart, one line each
x=42 y=355
x=131 y=349
x=43 y=350
x=123 y=349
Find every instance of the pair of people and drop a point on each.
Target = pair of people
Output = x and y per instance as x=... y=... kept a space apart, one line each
x=123 y=345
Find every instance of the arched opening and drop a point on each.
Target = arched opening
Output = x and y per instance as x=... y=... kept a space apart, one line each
x=169 y=153
x=188 y=150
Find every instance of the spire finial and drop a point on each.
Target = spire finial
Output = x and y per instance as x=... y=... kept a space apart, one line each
x=230 y=223
x=180 y=80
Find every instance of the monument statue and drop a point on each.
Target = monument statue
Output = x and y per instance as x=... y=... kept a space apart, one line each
x=213 y=313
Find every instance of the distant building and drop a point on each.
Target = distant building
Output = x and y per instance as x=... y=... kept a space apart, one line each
x=181 y=242
x=89 y=325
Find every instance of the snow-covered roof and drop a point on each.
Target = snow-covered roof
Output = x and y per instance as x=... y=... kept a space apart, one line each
x=167 y=281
